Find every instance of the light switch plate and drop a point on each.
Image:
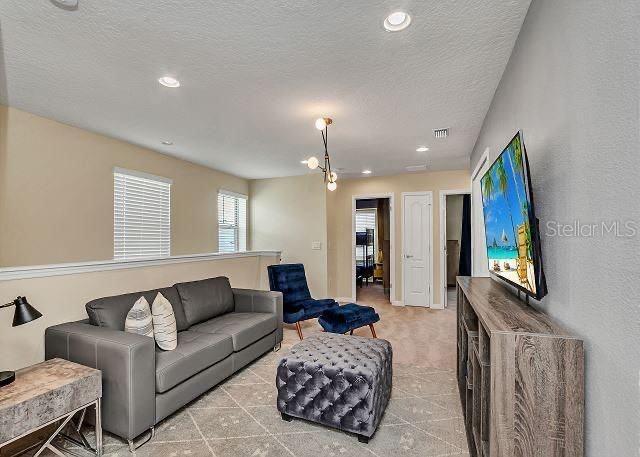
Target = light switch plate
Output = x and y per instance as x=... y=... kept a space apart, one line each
x=316 y=245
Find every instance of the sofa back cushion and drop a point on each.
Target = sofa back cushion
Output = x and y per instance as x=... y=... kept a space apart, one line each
x=205 y=299
x=111 y=312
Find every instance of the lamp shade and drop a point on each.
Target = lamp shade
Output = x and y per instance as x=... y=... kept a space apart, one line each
x=24 y=312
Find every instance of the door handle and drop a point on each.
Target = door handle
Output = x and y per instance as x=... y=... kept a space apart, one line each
x=407 y=256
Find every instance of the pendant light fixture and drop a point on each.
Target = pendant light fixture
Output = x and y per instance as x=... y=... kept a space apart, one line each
x=330 y=177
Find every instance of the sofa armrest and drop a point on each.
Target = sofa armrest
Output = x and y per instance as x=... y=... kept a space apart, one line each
x=259 y=301
x=127 y=362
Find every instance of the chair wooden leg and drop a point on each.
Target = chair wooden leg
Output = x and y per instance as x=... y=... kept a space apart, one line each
x=373 y=330
x=351 y=332
x=299 y=329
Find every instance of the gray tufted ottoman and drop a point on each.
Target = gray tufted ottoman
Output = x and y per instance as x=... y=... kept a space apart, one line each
x=337 y=380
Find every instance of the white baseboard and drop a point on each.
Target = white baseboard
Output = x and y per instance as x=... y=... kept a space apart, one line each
x=345 y=299
x=397 y=303
x=437 y=306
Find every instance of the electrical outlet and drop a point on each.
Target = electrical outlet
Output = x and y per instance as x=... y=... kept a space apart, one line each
x=316 y=245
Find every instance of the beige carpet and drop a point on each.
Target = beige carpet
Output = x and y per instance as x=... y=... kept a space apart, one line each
x=239 y=418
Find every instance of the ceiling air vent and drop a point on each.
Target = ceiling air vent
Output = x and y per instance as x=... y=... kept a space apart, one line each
x=416 y=168
x=441 y=133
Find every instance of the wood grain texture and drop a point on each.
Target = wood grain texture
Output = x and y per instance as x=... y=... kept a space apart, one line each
x=535 y=376
x=501 y=311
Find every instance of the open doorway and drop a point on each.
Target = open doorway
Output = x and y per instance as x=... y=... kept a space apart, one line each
x=455 y=240
x=372 y=250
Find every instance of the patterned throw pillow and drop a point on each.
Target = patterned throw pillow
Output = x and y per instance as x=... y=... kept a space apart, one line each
x=164 y=323
x=139 y=318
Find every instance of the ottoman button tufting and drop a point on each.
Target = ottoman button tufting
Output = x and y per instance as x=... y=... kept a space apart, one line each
x=352 y=401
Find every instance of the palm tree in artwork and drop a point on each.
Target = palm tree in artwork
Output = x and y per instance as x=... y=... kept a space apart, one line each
x=527 y=228
x=503 y=187
x=517 y=157
x=488 y=188
x=515 y=174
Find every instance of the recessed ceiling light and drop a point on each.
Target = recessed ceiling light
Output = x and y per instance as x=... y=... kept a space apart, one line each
x=397 y=21
x=66 y=4
x=167 y=143
x=304 y=161
x=169 y=81
x=366 y=172
x=422 y=149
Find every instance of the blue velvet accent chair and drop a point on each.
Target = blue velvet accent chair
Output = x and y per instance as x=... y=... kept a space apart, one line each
x=298 y=304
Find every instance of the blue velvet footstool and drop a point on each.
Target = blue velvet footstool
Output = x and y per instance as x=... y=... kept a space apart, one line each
x=349 y=317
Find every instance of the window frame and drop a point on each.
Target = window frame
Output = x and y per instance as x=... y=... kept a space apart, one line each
x=239 y=244
x=119 y=231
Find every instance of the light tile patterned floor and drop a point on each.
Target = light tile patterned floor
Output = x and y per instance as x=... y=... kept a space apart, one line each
x=238 y=418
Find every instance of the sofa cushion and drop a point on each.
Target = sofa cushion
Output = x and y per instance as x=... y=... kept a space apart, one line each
x=139 y=319
x=243 y=328
x=164 y=324
x=205 y=299
x=111 y=312
x=194 y=353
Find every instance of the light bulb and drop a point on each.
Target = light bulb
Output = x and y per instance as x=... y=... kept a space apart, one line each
x=320 y=123
x=313 y=163
x=331 y=186
x=333 y=176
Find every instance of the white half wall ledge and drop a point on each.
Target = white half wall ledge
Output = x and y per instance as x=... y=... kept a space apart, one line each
x=41 y=271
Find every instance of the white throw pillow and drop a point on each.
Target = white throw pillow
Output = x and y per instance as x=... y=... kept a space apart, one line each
x=139 y=319
x=164 y=323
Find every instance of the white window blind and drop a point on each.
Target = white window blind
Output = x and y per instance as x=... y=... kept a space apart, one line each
x=366 y=219
x=141 y=214
x=232 y=222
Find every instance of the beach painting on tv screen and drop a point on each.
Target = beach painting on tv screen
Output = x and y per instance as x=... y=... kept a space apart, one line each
x=506 y=215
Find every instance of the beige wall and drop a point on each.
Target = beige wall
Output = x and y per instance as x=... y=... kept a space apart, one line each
x=56 y=192
x=339 y=206
x=288 y=214
x=62 y=298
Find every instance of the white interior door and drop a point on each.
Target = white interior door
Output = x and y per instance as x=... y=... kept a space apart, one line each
x=479 y=261
x=416 y=263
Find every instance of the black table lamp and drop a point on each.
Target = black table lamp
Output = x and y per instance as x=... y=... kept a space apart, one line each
x=24 y=313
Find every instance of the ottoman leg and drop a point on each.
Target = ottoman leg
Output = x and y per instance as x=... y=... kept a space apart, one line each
x=373 y=330
x=363 y=439
x=286 y=417
x=299 y=329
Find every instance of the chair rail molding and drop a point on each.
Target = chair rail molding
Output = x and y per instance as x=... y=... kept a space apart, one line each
x=40 y=271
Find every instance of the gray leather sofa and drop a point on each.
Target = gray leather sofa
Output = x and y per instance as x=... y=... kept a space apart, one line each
x=220 y=330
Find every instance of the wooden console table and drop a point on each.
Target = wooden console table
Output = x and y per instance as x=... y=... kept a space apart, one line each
x=520 y=375
x=47 y=393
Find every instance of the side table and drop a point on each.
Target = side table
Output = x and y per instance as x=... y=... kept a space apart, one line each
x=46 y=393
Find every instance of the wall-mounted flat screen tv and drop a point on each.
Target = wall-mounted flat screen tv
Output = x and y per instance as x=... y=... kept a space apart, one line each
x=511 y=227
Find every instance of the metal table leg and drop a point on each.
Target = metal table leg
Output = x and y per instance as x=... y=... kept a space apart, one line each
x=99 y=427
x=83 y=443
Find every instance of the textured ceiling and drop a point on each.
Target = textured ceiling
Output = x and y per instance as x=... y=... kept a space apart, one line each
x=255 y=75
